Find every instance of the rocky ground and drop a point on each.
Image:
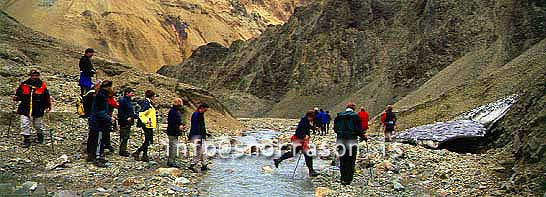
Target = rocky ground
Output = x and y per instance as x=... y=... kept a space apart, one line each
x=123 y=176
x=408 y=170
x=404 y=170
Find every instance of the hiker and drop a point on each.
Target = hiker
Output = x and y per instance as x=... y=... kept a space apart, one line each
x=35 y=99
x=316 y=123
x=364 y=117
x=87 y=100
x=198 y=135
x=323 y=120
x=300 y=142
x=126 y=119
x=86 y=71
x=176 y=126
x=388 y=119
x=347 y=126
x=147 y=120
x=113 y=104
x=99 y=122
x=329 y=119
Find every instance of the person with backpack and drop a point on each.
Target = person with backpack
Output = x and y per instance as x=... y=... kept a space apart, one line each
x=126 y=119
x=176 y=126
x=364 y=117
x=34 y=103
x=113 y=104
x=147 y=120
x=348 y=128
x=388 y=119
x=86 y=71
x=329 y=119
x=300 y=143
x=323 y=120
x=87 y=100
x=316 y=123
x=198 y=135
x=100 y=122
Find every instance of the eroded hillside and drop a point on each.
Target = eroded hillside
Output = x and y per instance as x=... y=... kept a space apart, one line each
x=149 y=33
x=370 y=52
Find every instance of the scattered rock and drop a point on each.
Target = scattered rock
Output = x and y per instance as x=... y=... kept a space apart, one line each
x=267 y=169
x=30 y=185
x=59 y=162
x=129 y=181
x=175 y=172
x=397 y=186
x=181 y=181
x=66 y=193
x=323 y=191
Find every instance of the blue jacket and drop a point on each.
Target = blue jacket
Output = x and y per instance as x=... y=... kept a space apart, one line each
x=322 y=117
x=198 y=128
x=303 y=129
x=126 y=111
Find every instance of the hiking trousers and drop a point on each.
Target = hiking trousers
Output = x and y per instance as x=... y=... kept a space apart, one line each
x=148 y=137
x=124 y=134
x=347 y=150
x=26 y=122
x=173 y=149
x=308 y=158
x=200 y=151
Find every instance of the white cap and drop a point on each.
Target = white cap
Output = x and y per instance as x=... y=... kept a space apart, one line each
x=316 y=109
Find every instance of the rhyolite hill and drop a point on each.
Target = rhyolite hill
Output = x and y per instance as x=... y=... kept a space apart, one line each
x=432 y=59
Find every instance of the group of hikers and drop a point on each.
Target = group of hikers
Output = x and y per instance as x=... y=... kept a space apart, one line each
x=349 y=127
x=98 y=104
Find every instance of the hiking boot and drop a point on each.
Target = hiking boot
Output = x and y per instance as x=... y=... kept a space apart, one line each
x=145 y=158
x=124 y=154
x=173 y=165
x=192 y=168
x=276 y=162
x=313 y=173
x=136 y=156
x=40 y=138
x=110 y=149
x=100 y=163
x=90 y=158
x=204 y=168
x=345 y=183
x=26 y=141
x=101 y=159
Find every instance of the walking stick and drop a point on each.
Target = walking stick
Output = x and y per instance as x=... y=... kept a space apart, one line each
x=50 y=133
x=297 y=163
x=369 y=161
x=8 y=132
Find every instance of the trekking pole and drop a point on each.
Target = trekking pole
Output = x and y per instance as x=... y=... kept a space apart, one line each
x=8 y=132
x=369 y=161
x=297 y=163
x=50 y=133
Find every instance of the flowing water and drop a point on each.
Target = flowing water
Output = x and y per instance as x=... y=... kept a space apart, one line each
x=245 y=176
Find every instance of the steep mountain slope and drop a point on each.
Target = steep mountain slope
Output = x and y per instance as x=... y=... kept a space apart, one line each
x=371 y=52
x=149 y=33
x=22 y=49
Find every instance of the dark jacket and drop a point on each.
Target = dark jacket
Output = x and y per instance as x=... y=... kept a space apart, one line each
x=389 y=120
x=174 y=120
x=86 y=67
x=198 y=126
x=126 y=111
x=347 y=125
x=100 y=107
x=40 y=98
x=303 y=129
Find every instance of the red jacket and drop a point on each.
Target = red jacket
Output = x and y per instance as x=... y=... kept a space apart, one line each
x=364 y=117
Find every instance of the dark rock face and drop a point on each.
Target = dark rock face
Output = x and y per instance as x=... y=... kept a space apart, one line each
x=371 y=52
